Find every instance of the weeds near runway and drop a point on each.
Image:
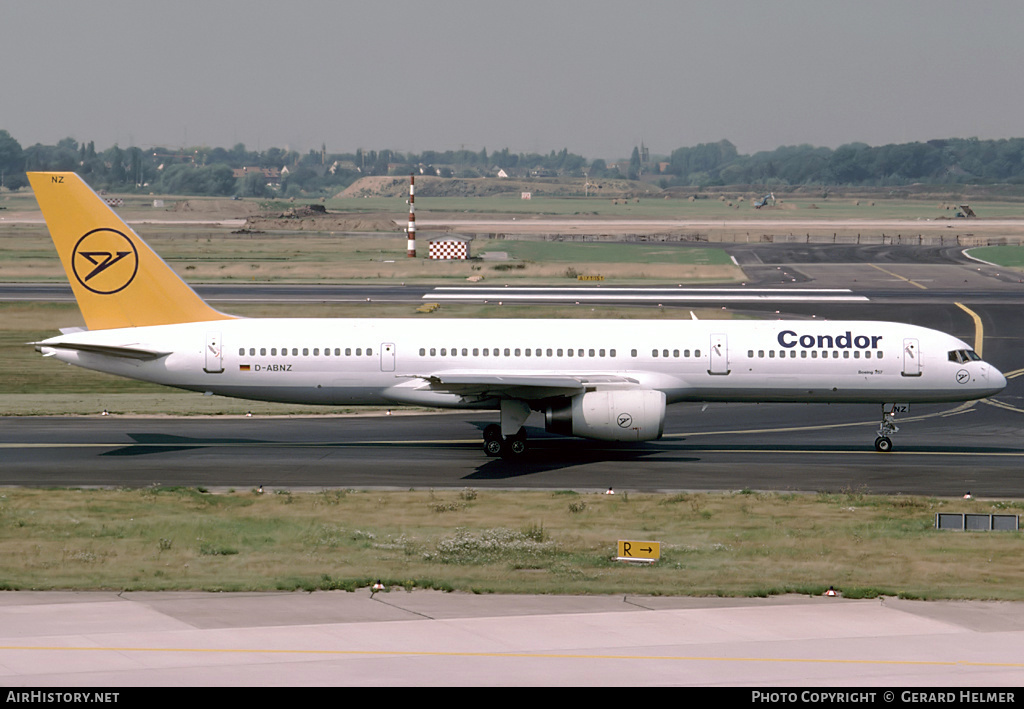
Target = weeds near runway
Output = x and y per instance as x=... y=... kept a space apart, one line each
x=741 y=544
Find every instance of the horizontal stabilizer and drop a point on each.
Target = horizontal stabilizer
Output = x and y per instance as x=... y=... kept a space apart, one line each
x=108 y=350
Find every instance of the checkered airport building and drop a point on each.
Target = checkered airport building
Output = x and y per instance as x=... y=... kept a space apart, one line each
x=449 y=248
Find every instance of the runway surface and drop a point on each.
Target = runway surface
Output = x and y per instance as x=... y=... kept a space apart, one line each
x=941 y=450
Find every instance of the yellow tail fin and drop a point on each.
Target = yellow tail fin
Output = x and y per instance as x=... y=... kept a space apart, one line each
x=117 y=279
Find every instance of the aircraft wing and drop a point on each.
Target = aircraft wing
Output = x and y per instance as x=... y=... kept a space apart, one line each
x=517 y=385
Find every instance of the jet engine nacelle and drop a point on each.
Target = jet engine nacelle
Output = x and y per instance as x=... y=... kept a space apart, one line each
x=617 y=415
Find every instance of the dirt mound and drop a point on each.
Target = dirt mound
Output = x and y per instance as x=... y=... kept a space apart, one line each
x=220 y=208
x=312 y=219
x=376 y=187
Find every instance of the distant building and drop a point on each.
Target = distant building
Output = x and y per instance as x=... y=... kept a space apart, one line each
x=271 y=174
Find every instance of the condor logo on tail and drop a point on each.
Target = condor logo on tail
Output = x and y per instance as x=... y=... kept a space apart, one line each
x=105 y=261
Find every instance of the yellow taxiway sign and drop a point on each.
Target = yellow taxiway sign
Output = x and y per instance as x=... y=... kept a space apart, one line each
x=639 y=551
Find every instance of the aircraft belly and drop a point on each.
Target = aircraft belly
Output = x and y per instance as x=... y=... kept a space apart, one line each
x=826 y=389
x=313 y=395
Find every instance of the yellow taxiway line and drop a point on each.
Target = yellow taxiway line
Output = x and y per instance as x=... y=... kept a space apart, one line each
x=979 y=329
x=896 y=275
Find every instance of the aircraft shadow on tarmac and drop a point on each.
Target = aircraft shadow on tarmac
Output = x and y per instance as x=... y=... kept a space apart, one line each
x=549 y=452
x=153 y=443
x=567 y=456
x=553 y=452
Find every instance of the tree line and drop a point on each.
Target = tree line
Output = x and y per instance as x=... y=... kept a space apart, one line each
x=951 y=161
x=214 y=171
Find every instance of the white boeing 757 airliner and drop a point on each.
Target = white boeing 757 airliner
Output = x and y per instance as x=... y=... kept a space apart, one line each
x=608 y=380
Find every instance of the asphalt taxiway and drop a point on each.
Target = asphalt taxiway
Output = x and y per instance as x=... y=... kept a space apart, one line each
x=942 y=450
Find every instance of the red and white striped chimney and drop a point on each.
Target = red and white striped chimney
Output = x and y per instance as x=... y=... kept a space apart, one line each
x=411 y=232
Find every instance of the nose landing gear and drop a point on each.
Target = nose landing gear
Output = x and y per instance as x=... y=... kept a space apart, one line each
x=883 y=444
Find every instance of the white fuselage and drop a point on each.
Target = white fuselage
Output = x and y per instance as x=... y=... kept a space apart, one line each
x=389 y=361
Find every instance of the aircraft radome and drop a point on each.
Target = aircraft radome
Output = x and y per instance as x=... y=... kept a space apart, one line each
x=608 y=380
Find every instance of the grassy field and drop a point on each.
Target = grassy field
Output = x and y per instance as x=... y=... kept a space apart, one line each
x=684 y=203
x=205 y=254
x=706 y=206
x=1008 y=256
x=739 y=544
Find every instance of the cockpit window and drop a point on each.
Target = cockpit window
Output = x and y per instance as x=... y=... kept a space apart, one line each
x=962 y=356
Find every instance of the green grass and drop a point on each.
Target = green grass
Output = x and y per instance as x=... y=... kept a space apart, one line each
x=1008 y=256
x=609 y=253
x=205 y=255
x=741 y=544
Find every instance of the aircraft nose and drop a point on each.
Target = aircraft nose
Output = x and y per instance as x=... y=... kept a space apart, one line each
x=996 y=378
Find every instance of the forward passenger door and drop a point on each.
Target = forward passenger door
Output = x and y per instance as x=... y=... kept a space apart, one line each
x=911 y=358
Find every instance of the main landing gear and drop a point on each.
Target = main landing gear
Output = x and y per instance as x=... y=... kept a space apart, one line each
x=883 y=444
x=509 y=439
x=496 y=444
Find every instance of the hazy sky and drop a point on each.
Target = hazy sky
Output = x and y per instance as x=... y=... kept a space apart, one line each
x=596 y=77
